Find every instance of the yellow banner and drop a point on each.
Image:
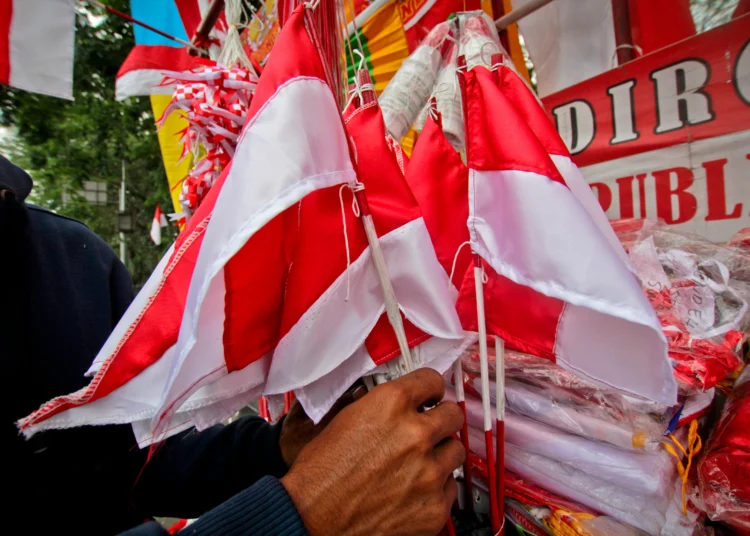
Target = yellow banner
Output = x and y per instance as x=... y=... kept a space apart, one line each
x=171 y=149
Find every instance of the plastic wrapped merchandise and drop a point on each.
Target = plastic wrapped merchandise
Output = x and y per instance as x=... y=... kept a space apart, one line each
x=741 y=239
x=646 y=512
x=544 y=391
x=700 y=293
x=422 y=118
x=407 y=92
x=448 y=98
x=724 y=468
x=479 y=40
x=640 y=472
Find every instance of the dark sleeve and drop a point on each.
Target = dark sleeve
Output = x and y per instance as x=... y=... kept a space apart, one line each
x=147 y=529
x=264 y=508
x=120 y=290
x=193 y=472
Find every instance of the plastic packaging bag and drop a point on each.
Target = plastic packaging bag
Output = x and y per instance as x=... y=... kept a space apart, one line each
x=646 y=512
x=724 y=468
x=448 y=98
x=647 y=473
x=544 y=391
x=479 y=40
x=407 y=93
x=700 y=293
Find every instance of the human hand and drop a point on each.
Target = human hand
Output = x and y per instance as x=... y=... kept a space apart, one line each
x=382 y=466
x=298 y=429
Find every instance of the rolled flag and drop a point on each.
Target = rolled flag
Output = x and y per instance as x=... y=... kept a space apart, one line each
x=36 y=46
x=160 y=220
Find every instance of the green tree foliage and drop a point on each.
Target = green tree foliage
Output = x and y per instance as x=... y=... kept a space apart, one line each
x=708 y=14
x=62 y=143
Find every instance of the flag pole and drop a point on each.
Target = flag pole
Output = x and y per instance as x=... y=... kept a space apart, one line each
x=128 y=18
x=484 y=366
x=391 y=303
x=458 y=379
x=517 y=14
x=500 y=425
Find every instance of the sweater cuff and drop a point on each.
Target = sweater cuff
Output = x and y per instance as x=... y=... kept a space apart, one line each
x=263 y=508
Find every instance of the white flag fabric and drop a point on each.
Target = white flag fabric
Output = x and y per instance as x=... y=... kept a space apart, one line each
x=36 y=46
x=569 y=41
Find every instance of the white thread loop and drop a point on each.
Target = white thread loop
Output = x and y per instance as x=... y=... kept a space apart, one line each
x=358 y=187
x=485 y=279
x=346 y=239
x=455 y=260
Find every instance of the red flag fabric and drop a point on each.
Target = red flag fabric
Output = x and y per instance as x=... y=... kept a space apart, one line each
x=558 y=283
x=532 y=223
x=252 y=297
x=173 y=335
x=419 y=282
x=657 y=24
x=743 y=8
x=159 y=221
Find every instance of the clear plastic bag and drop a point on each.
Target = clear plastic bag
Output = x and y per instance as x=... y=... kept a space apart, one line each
x=724 y=468
x=448 y=98
x=546 y=392
x=479 y=40
x=700 y=293
x=639 y=472
x=646 y=512
x=407 y=93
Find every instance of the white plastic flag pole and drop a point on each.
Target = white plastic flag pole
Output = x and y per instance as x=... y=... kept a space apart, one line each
x=458 y=379
x=484 y=366
x=500 y=425
x=391 y=303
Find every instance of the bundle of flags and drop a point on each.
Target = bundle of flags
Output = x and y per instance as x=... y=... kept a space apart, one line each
x=421 y=258
x=245 y=303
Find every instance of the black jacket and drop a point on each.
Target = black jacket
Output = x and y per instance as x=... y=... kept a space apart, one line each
x=62 y=291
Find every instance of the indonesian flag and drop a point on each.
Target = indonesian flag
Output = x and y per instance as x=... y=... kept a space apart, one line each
x=251 y=299
x=558 y=283
x=159 y=221
x=187 y=328
x=421 y=286
x=36 y=46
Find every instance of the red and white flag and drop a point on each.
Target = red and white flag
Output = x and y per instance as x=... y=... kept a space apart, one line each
x=159 y=221
x=252 y=297
x=187 y=327
x=36 y=46
x=427 y=303
x=558 y=283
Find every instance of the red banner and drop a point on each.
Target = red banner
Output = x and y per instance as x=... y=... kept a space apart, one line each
x=668 y=135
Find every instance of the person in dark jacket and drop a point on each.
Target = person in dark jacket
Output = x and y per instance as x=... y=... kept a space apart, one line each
x=382 y=465
x=62 y=291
